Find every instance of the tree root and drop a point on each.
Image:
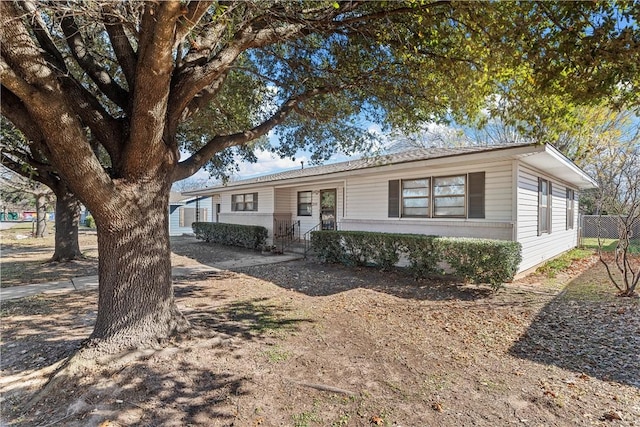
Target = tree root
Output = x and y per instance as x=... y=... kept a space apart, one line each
x=97 y=355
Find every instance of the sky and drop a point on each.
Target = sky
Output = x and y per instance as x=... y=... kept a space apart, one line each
x=269 y=163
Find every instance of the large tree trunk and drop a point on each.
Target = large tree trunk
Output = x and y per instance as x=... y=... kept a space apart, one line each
x=41 y=215
x=136 y=306
x=67 y=219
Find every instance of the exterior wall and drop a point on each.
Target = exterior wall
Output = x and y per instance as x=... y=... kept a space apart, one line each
x=287 y=201
x=367 y=203
x=174 y=215
x=263 y=216
x=450 y=228
x=511 y=205
x=538 y=249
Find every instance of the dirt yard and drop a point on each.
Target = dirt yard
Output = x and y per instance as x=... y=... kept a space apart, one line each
x=306 y=344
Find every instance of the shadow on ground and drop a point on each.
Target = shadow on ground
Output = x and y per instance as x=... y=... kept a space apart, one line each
x=588 y=330
x=316 y=279
x=313 y=278
x=181 y=384
x=44 y=329
x=248 y=319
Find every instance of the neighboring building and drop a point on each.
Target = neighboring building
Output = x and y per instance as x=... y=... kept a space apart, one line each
x=185 y=210
x=526 y=193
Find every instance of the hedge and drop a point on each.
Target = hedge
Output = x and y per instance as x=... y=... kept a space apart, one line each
x=474 y=260
x=245 y=236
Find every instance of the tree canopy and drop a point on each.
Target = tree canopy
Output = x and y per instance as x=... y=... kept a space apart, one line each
x=232 y=71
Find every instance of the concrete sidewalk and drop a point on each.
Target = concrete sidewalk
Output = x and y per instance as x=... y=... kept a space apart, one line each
x=91 y=282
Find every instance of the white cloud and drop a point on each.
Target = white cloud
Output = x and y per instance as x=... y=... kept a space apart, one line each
x=268 y=163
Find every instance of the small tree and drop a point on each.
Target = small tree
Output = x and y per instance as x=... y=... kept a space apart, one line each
x=16 y=188
x=622 y=199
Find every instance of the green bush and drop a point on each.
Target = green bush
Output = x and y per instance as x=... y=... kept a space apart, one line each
x=482 y=260
x=90 y=222
x=245 y=236
x=424 y=255
x=327 y=246
x=474 y=260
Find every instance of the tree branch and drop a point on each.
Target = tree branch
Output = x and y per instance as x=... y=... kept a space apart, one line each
x=199 y=81
x=106 y=129
x=122 y=48
x=154 y=70
x=191 y=16
x=14 y=110
x=44 y=37
x=191 y=165
x=48 y=107
x=42 y=176
x=88 y=63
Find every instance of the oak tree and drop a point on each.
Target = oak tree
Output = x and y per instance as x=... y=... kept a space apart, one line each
x=123 y=80
x=26 y=159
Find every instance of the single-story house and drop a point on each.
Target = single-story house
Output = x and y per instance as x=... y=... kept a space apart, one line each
x=185 y=210
x=526 y=193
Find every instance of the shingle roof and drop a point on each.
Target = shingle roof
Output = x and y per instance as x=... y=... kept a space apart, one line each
x=364 y=163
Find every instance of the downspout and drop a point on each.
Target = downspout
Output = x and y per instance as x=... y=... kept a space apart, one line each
x=514 y=199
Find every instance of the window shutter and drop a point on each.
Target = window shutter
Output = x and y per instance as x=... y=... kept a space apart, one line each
x=394 y=198
x=550 y=210
x=255 y=201
x=541 y=212
x=476 y=195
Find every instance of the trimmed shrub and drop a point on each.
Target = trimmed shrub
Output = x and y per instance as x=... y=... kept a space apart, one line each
x=482 y=260
x=424 y=254
x=327 y=246
x=244 y=236
x=474 y=260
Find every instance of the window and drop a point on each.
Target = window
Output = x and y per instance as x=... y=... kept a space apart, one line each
x=244 y=202
x=304 y=203
x=570 y=208
x=188 y=216
x=449 y=196
x=415 y=197
x=457 y=196
x=544 y=206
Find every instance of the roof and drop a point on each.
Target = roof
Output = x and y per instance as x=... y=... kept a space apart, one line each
x=176 y=198
x=519 y=151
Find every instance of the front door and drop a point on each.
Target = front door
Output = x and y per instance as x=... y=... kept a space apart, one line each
x=328 y=209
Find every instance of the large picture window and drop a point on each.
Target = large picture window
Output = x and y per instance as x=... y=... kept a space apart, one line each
x=449 y=196
x=304 y=203
x=415 y=197
x=455 y=196
x=570 y=208
x=544 y=206
x=244 y=202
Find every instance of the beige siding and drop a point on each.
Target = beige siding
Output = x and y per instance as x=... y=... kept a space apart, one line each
x=367 y=194
x=436 y=227
x=287 y=201
x=283 y=200
x=537 y=249
x=263 y=217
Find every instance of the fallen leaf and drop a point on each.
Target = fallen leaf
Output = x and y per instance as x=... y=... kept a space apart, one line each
x=611 y=416
x=436 y=406
x=376 y=420
x=583 y=376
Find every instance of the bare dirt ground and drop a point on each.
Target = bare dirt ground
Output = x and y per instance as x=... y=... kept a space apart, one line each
x=306 y=344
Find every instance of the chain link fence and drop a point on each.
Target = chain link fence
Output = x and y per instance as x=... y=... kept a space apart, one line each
x=604 y=226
